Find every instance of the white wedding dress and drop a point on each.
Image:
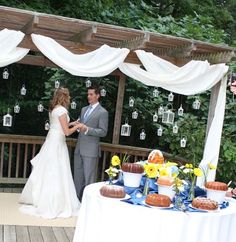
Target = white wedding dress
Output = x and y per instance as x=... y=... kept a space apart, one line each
x=50 y=191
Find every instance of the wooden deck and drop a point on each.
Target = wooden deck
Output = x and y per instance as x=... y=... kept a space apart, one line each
x=12 y=233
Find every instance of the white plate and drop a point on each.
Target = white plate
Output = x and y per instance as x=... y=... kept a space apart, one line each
x=171 y=206
x=126 y=197
x=200 y=209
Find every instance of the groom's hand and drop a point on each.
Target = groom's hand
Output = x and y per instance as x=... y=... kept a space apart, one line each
x=84 y=128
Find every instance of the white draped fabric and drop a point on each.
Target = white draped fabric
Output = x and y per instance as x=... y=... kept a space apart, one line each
x=97 y=63
x=193 y=78
x=9 y=52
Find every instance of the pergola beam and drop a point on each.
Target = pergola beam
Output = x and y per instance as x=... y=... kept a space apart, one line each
x=28 y=28
x=176 y=51
x=137 y=42
x=85 y=35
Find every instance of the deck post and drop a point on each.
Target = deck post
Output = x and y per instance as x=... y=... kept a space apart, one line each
x=119 y=109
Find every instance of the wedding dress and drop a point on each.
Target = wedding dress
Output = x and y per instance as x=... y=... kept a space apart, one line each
x=50 y=191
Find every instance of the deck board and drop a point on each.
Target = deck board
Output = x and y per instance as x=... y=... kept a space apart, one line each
x=48 y=234
x=9 y=233
x=70 y=233
x=60 y=234
x=22 y=234
x=35 y=234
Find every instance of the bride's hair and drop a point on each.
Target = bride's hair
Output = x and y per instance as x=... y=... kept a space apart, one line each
x=61 y=97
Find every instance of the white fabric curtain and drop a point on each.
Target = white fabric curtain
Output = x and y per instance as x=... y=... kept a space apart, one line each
x=100 y=62
x=193 y=78
x=9 y=52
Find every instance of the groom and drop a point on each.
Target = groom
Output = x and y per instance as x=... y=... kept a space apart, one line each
x=94 y=119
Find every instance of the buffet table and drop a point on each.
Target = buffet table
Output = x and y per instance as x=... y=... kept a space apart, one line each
x=104 y=219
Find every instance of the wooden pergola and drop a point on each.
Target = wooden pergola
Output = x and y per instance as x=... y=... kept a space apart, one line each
x=80 y=36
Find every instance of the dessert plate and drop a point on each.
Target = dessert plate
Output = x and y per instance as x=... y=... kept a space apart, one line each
x=127 y=196
x=171 y=206
x=206 y=210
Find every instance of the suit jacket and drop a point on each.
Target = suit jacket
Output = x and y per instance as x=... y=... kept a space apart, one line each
x=97 y=123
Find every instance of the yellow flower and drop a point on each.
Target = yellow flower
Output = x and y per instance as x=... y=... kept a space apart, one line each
x=169 y=163
x=211 y=166
x=164 y=172
x=197 y=172
x=151 y=170
x=188 y=165
x=115 y=160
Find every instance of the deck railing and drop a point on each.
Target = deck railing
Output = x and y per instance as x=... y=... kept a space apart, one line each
x=17 y=150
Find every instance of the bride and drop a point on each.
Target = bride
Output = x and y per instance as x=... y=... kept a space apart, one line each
x=50 y=191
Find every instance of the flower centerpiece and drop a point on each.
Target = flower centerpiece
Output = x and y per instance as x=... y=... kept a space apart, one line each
x=151 y=171
x=190 y=173
x=114 y=168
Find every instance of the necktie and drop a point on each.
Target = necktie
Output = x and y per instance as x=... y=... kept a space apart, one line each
x=87 y=113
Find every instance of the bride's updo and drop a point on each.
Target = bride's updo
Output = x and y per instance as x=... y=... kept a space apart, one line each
x=61 y=97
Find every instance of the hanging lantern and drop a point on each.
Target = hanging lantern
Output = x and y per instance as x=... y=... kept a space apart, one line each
x=160 y=110
x=40 y=107
x=131 y=102
x=155 y=92
x=135 y=114
x=168 y=117
x=180 y=111
x=16 y=108
x=183 y=142
x=5 y=74
x=57 y=84
x=125 y=129
x=103 y=92
x=142 y=135
x=88 y=83
x=196 y=104
x=175 y=129
x=159 y=131
x=171 y=97
x=47 y=125
x=7 y=119
x=155 y=117
x=73 y=104
x=23 y=90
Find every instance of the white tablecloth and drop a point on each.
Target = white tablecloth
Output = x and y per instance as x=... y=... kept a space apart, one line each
x=110 y=220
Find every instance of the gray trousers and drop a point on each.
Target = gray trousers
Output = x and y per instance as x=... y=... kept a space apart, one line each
x=85 y=172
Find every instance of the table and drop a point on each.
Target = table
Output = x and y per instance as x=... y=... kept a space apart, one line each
x=104 y=219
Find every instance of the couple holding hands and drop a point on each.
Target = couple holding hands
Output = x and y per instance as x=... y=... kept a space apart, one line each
x=50 y=191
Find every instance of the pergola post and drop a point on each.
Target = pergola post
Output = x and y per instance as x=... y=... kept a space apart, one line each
x=212 y=105
x=119 y=109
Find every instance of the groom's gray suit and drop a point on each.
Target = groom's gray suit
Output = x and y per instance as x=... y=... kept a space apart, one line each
x=87 y=149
